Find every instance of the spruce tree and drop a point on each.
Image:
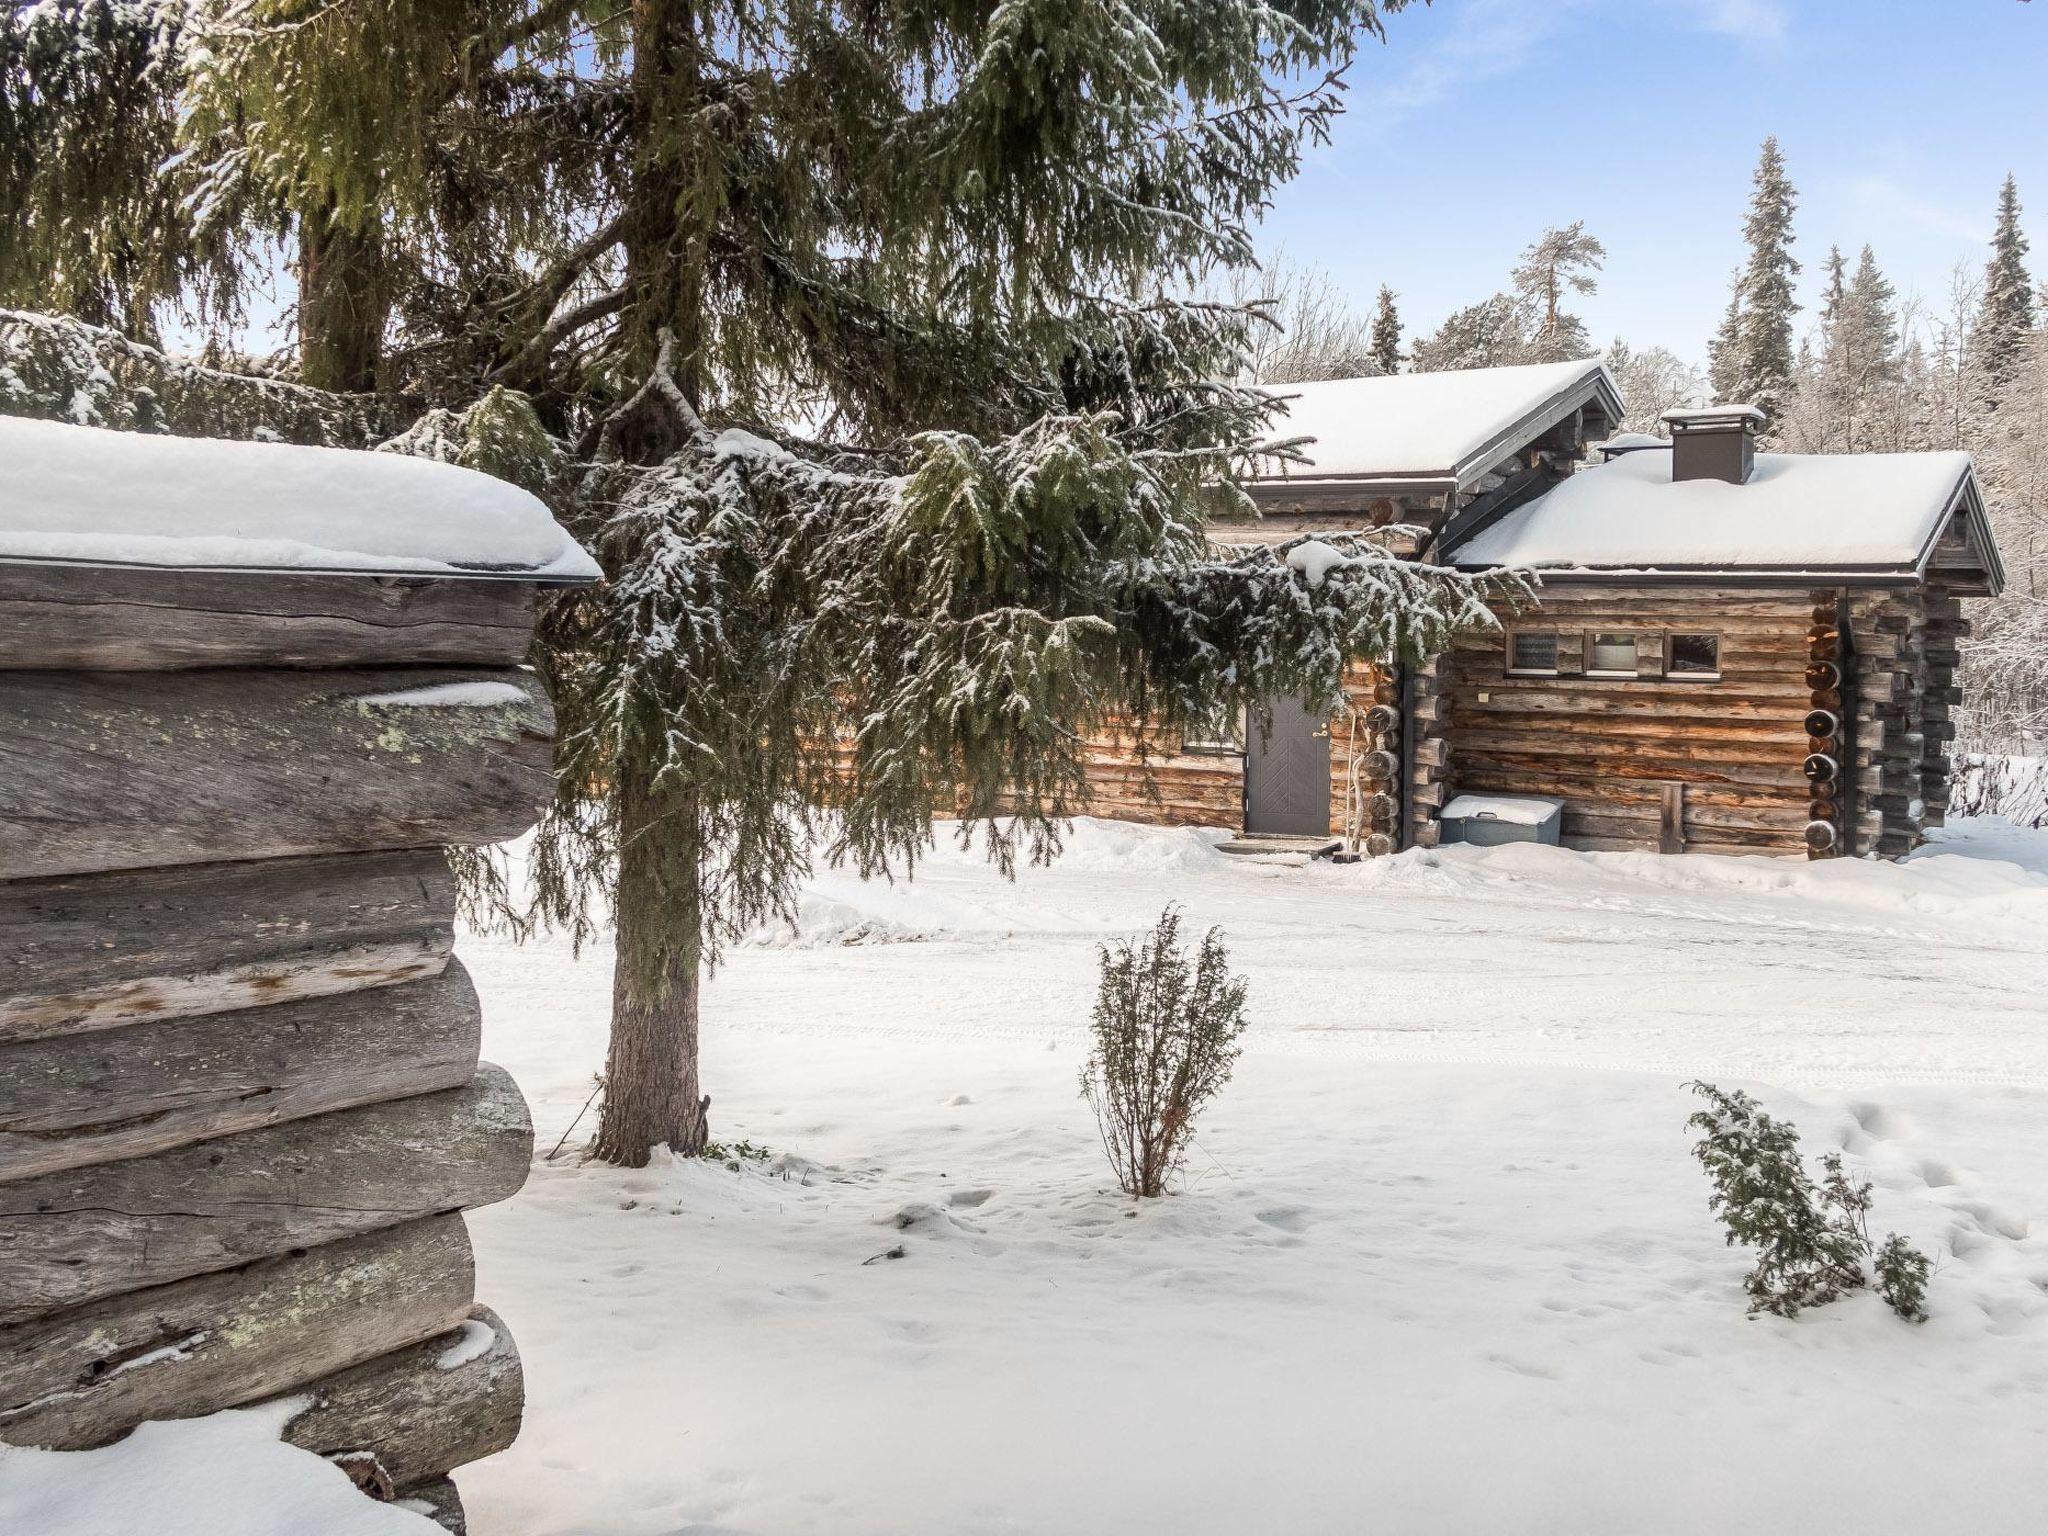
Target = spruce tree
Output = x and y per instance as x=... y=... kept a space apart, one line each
x=652 y=237
x=2006 y=313
x=98 y=225
x=1386 y=333
x=1760 y=369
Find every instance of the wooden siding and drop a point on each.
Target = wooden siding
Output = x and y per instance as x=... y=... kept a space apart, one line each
x=1148 y=777
x=1206 y=789
x=1609 y=747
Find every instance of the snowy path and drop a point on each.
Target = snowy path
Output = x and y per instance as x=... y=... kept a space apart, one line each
x=1444 y=1264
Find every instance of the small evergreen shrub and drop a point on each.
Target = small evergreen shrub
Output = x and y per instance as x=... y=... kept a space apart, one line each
x=1166 y=1032
x=1812 y=1241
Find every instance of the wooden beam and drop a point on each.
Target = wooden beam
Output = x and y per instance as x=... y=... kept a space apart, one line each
x=76 y=1236
x=419 y=1412
x=72 y=1101
x=120 y=771
x=82 y=952
x=109 y=620
x=1671 y=821
x=82 y=1377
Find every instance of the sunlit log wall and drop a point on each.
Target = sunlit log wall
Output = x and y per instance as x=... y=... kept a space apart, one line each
x=241 y=1106
x=1723 y=759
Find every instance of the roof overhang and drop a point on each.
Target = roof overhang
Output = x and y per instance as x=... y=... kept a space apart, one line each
x=1595 y=387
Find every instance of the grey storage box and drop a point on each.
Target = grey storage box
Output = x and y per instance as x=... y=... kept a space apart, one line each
x=1491 y=819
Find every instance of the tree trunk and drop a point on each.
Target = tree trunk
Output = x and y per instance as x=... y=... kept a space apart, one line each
x=652 y=1092
x=344 y=306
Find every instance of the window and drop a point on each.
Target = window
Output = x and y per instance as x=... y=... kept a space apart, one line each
x=1221 y=735
x=1697 y=656
x=1533 y=652
x=1611 y=655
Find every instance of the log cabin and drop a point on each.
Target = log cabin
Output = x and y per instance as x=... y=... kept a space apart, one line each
x=1728 y=651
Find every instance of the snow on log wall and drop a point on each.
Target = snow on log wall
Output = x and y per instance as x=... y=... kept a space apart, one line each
x=1988 y=784
x=241 y=1107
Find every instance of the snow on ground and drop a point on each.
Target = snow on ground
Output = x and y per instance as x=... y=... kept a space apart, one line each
x=1443 y=1263
x=224 y=1475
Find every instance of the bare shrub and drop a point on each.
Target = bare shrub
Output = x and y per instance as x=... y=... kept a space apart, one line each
x=1166 y=1030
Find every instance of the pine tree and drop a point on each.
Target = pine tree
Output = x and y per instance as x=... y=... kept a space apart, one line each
x=662 y=230
x=1760 y=367
x=1386 y=333
x=2006 y=315
x=1560 y=260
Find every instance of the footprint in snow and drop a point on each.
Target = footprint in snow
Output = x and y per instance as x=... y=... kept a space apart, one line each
x=1286 y=1218
x=1882 y=1122
x=1522 y=1367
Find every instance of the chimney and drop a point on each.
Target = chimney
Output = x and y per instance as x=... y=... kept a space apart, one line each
x=1715 y=442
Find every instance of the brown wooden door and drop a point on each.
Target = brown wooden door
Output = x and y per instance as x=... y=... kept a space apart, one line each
x=1287 y=774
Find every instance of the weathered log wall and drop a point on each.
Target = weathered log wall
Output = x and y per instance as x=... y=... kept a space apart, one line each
x=241 y=1108
x=131 y=770
x=1905 y=649
x=57 y=618
x=1611 y=748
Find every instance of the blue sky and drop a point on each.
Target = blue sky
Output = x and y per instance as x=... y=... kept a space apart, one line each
x=1481 y=121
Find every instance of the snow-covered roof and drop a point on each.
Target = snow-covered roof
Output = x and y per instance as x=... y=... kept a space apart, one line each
x=1864 y=513
x=1430 y=428
x=88 y=496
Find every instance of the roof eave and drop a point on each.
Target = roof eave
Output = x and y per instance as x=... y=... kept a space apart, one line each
x=1598 y=384
x=1718 y=575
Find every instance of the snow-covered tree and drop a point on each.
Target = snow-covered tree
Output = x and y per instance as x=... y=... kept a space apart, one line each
x=1851 y=393
x=1493 y=333
x=1562 y=260
x=1753 y=356
x=2007 y=316
x=1385 y=341
x=934 y=237
x=1724 y=347
x=1652 y=380
x=1526 y=324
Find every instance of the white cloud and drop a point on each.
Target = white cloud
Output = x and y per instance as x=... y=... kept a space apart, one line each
x=1456 y=47
x=1881 y=196
x=1762 y=19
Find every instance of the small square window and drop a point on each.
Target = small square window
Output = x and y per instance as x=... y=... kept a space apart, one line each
x=1533 y=652
x=1612 y=655
x=1693 y=656
x=1220 y=735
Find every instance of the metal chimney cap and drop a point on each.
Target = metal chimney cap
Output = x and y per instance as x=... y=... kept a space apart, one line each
x=1710 y=418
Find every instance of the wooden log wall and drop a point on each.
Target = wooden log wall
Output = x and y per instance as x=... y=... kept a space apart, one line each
x=1150 y=777
x=1828 y=722
x=241 y=1105
x=1365 y=762
x=1613 y=748
x=1906 y=648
